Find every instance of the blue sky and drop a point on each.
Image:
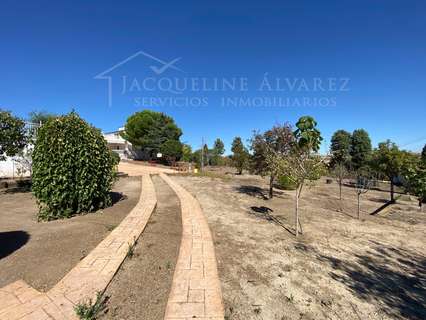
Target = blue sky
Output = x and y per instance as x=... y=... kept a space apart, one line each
x=51 y=52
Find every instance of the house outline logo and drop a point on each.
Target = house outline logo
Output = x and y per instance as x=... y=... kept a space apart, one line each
x=157 y=69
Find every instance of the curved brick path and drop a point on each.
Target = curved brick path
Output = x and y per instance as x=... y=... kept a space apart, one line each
x=196 y=289
x=91 y=275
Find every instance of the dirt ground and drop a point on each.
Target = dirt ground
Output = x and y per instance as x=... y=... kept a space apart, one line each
x=141 y=287
x=42 y=253
x=340 y=268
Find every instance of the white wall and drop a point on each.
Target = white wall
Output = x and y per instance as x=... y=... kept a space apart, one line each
x=17 y=166
x=11 y=168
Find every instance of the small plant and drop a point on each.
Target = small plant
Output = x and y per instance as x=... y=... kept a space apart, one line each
x=290 y=298
x=131 y=249
x=110 y=227
x=168 y=265
x=257 y=310
x=89 y=310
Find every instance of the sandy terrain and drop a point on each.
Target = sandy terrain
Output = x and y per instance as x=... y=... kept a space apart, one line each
x=42 y=253
x=341 y=268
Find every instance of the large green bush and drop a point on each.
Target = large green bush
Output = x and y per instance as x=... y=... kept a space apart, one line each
x=73 y=169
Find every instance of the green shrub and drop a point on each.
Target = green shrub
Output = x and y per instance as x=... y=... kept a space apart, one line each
x=285 y=183
x=73 y=169
x=116 y=157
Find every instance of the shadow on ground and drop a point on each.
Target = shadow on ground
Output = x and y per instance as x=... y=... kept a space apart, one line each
x=393 y=278
x=11 y=241
x=117 y=196
x=253 y=191
x=263 y=212
x=258 y=192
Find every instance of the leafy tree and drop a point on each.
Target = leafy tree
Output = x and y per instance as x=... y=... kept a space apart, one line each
x=239 y=154
x=268 y=148
x=415 y=176
x=217 y=152
x=424 y=154
x=201 y=156
x=389 y=161
x=340 y=147
x=186 y=153
x=340 y=156
x=360 y=149
x=73 y=169
x=196 y=157
x=302 y=164
x=171 y=150
x=12 y=135
x=149 y=130
x=206 y=155
x=41 y=117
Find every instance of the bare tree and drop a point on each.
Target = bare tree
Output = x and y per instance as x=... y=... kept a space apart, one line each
x=363 y=185
x=340 y=173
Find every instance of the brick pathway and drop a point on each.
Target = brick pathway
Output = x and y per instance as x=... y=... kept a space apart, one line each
x=195 y=292
x=91 y=275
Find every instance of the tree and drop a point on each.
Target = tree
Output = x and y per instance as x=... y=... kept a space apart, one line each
x=186 y=153
x=302 y=164
x=12 y=135
x=360 y=149
x=171 y=150
x=388 y=160
x=239 y=154
x=41 y=117
x=340 y=156
x=340 y=147
x=205 y=155
x=340 y=172
x=424 y=154
x=73 y=168
x=217 y=152
x=363 y=185
x=201 y=157
x=415 y=176
x=149 y=130
x=268 y=148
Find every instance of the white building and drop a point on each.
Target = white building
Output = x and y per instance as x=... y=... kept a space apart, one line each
x=119 y=145
x=19 y=165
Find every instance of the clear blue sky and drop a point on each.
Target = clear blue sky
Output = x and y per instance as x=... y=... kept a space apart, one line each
x=52 y=50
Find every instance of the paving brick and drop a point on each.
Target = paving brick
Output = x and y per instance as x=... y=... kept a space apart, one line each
x=200 y=274
x=196 y=296
x=189 y=309
x=89 y=276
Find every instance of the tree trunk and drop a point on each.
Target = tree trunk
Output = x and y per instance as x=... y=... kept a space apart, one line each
x=392 y=190
x=340 y=180
x=297 y=212
x=271 y=186
x=359 y=205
